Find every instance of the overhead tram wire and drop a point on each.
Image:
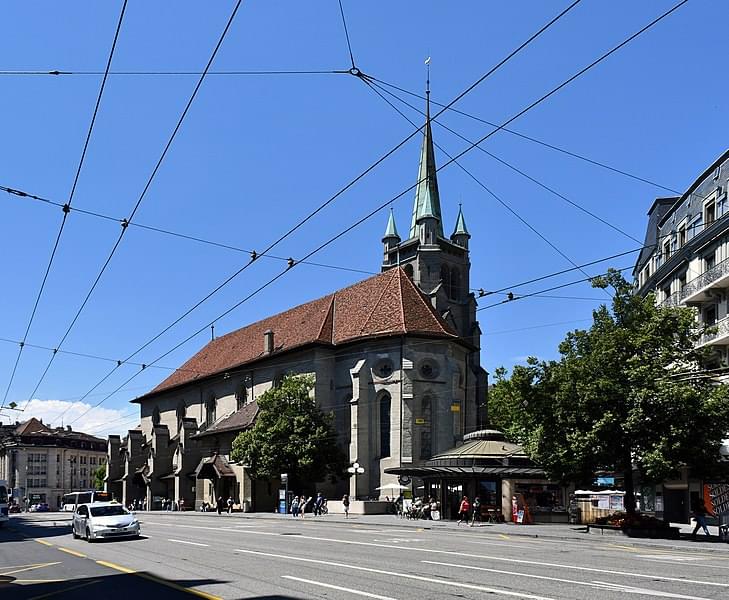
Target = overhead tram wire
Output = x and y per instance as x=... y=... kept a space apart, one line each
x=389 y=202
x=143 y=194
x=581 y=157
x=347 y=186
x=67 y=206
x=181 y=73
x=485 y=187
x=346 y=34
x=507 y=164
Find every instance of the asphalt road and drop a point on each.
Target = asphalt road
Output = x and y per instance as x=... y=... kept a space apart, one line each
x=253 y=557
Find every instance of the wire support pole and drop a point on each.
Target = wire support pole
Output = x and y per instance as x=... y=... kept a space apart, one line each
x=346 y=35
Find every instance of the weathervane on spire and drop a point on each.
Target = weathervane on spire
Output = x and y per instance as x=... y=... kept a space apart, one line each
x=427 y=77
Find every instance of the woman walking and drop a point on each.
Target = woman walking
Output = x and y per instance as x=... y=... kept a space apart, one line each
x=463 y=510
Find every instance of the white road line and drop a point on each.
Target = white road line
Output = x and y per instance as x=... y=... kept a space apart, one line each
x=186 y=542
x=511 y=560
x=627 y=589
x=593 y=584
x=336 y=587
x=457 y=584
x=219 y=529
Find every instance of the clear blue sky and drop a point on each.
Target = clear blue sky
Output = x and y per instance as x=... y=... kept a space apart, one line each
x=257 y=153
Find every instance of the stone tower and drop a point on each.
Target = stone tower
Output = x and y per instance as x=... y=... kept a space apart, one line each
x=439 y=266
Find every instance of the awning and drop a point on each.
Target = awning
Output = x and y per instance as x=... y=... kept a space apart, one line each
x=214 y=467
x=453 y=472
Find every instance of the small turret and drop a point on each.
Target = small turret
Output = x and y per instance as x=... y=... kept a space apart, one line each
x=460 y=235
x=390 y=241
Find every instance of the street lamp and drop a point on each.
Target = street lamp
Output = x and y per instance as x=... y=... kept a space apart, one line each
x=355 y=470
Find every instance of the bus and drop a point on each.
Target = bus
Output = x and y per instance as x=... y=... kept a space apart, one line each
x=70 y=501
x=3 y=502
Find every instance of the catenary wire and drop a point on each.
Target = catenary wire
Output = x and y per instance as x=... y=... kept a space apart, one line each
x=346 y=187
x=531 y=139
x=197 y=73
x=389 y=202
x=143 y=194
x=512 y=167
x=486 y=188
x=66 y=207
x=346 y=35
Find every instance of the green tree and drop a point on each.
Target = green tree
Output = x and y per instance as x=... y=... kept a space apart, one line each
x=291 y=435
x=99 y=475
x=629 y=392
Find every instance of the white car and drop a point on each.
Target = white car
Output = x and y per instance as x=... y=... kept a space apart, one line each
x=104 y=520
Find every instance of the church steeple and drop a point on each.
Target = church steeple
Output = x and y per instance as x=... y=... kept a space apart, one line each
x=427 y=197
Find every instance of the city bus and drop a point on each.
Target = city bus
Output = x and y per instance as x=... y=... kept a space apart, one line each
x=70 y=501
x=3 y=502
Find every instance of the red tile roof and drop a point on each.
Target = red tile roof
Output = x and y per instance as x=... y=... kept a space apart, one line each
x=384 y=305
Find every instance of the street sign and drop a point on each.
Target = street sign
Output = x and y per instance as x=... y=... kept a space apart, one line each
x=284 y=477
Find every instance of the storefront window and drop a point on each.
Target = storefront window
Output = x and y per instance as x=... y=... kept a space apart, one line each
x=541 y=498
x=486 y=491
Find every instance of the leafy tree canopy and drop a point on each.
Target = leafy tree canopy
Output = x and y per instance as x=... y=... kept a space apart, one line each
x=291 y=435
x=99 y=475
x=628 y=392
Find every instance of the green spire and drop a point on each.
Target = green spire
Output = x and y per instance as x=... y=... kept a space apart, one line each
x=427 y=199
x=461 y=224
x=391 y=231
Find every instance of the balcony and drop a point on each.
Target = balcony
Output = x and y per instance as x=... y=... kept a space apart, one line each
x=716 y=334
x=699 y=289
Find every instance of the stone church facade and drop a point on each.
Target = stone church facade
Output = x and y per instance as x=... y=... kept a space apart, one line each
x=395 y=359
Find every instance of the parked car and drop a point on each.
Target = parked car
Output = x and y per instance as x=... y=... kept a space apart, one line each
x=42 y=507
x=104 y=520
x=14 y=508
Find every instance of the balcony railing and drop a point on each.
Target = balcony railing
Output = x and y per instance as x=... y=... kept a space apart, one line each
x=698 y=283
x=718 y=330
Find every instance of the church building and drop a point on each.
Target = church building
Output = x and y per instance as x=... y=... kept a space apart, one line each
x=395 y=359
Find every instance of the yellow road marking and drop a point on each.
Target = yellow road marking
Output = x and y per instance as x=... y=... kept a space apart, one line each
x=43 y=542
x=506 y=537
x=28 y=568
x=158 y=580
x=72 y=552
x=64 y=590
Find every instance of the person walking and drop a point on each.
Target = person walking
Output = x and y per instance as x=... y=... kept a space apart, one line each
x=345 y=504
x=219 y=505
x=476 y=511
x=700 y=513
x=295 y=507
x=230 y=505
x=463 y=510
x=318 y=504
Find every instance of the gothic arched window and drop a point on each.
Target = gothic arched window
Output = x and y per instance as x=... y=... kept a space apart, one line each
x=385 y=410
x=445 y=278
x=409 y=271
x=455 y=284
x=241 y=396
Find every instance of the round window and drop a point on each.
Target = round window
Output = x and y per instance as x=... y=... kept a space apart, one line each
x=429 y=369
x=383 y=368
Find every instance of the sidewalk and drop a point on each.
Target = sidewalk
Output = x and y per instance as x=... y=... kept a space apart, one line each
x=548 y=531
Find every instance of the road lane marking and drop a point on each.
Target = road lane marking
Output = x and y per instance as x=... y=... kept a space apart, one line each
x=64 y=590
x=512 y=560
x=43 y=542
x=594 y=584
x=506 y=537
x=186 y=542
x=72 y=552
x=338 y=588
x=159 y=580
x=21 y=568
x=457 y=584
x=218 y=529
x=627 y=589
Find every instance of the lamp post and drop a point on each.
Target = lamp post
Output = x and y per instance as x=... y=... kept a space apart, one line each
x=355 y=470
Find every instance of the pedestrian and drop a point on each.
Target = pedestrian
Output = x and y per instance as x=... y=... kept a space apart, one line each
x=345 y=504
x=182 y=504
x=476 y=510
x=219 y=505
x=463 y=510
x=295 y=507
x=700 y=513
x=318 y=504
x=230 y=505
x=306 y=504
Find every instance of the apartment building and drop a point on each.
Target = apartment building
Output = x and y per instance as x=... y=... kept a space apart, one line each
x=685 y=262
x=41 y=463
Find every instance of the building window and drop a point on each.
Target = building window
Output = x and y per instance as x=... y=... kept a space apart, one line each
x=409 y=271
x=241 y=396
x=682 y=236
x=709 y=212
x=455 y=284
x=709 y=261
x=428 y=369
x=710 y=315
x=426 y=446
x=210 y=410
x=383 y=368
x=666 y=250
x=385 y=403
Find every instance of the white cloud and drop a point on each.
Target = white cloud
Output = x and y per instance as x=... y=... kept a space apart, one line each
x=98 y=421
